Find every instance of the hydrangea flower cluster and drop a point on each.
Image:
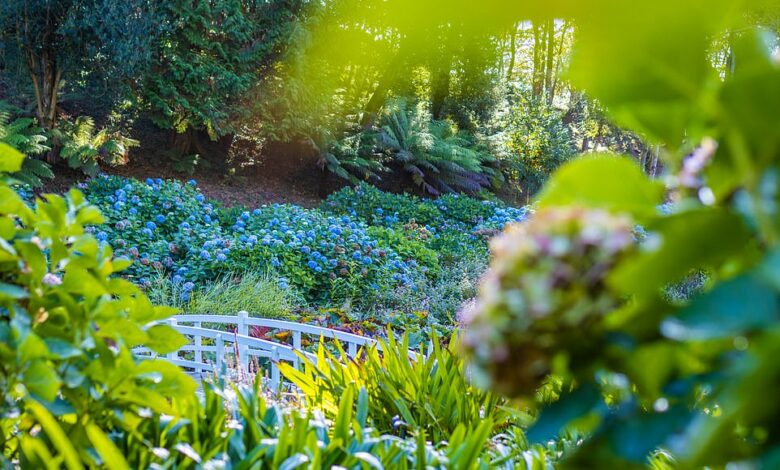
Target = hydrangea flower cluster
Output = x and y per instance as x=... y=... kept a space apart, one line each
x=544 y=294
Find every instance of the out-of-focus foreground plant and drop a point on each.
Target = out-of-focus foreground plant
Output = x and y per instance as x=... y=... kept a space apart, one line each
x=644 y=375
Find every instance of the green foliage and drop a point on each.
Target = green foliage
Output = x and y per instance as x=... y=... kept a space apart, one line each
x=401 y=393
x=536 y=141
x=352 y=157
x=433 y=154
x=442 y=299
x=242 y=429
x=23 y=135
x=259 y=295
x=84 y=149
x=211 y=55
x=67 y=326
x=676 y=384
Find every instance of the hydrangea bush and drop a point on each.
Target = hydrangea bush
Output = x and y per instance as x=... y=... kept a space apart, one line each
x=362 y=243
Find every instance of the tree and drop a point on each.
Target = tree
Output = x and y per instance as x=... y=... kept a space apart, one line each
x=53 y=41
x=212 y=53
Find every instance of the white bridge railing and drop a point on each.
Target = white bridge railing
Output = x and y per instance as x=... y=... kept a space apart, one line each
x=213 y=349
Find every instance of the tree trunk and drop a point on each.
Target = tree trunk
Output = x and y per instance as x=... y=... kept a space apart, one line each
x=512 y=53
x=46 y=77
x=559 y=61
x=215 y=152
x=537 y=75
x=440 y=89
x=377 y=99
x=548 y=69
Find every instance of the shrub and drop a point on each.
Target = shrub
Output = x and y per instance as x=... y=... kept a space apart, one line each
x=537 y=142
x=67 y=326
x=326 y=257
x=84 y=149
x=164 y=226
x=450 y=211
x=441 y=299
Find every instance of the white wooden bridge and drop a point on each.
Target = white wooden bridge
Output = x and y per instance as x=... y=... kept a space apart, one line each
x=223 y=344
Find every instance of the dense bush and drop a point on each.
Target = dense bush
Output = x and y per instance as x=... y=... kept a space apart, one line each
x=25 y=136
x=536 y=141
x=327 y=257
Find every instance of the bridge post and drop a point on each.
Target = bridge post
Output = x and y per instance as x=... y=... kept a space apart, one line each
x=275 y=376
x=175 y=354
x=297 y=345
x=243 y=351
x=198 y=350
x=220 y=344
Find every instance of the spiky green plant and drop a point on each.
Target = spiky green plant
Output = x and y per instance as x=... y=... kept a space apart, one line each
x=428 y=393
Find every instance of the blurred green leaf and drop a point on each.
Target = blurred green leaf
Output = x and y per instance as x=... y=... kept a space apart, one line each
x=554 y=418
x=679 y=244
x=604 y=181
x=10 y=159
x=734 y=307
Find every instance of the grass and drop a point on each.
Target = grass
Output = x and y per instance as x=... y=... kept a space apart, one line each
x=258 y=294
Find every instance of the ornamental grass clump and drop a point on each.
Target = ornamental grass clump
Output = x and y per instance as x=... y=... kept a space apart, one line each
x=541 y=304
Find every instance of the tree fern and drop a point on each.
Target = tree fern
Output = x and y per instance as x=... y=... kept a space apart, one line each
x=352 y=157
x=433 y=153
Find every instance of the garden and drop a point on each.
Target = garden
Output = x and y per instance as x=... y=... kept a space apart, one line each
x=359 y=234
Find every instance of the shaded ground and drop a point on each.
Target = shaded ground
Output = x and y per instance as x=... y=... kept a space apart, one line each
x=260 y=185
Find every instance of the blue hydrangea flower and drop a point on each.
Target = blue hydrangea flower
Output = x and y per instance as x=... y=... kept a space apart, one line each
x=192 y=183
x=160 y=218
x=221 y=257
x=200 y=198
x=205 y=254
x=151 y=225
